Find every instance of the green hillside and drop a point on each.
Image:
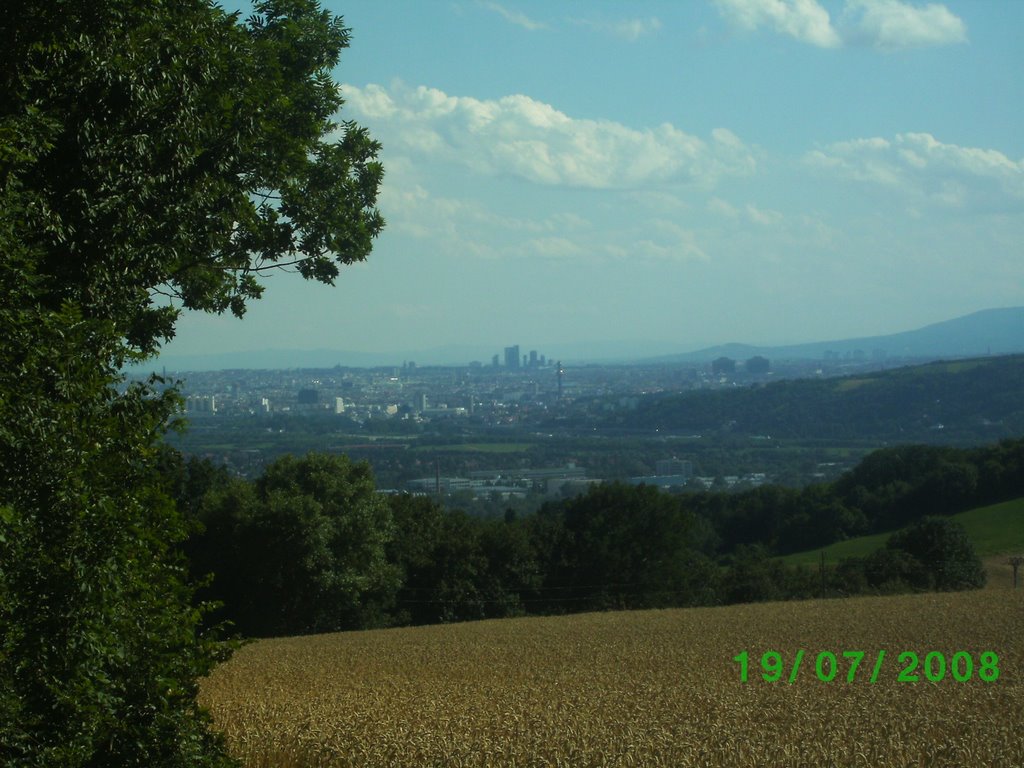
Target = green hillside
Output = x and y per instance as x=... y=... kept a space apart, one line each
x=964 y=400
x=994 y=530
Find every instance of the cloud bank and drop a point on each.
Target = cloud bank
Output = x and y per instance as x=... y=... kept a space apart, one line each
x=883 y=24
x=523 y=137
x=946 y=174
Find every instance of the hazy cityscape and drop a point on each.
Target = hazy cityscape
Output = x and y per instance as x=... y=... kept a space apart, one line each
x=524 y=427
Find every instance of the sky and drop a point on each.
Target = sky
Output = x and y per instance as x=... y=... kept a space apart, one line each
x=665 y=176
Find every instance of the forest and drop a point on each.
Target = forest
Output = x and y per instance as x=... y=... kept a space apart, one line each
x=311 y=546
x=963 y=399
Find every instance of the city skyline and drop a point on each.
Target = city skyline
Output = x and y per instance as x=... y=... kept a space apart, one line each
x=665 y=176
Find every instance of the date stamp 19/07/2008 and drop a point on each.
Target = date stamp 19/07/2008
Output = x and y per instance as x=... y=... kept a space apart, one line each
x=856 y=666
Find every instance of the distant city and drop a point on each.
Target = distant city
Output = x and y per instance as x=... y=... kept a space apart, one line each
x=512 y=381
x=526 y=424
x=244 y=418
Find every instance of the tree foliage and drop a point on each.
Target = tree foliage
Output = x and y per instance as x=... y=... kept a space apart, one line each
x=302 y=550
x=944 y=551
x=167 y=150
x=154 y=157
x=620 y=546
x=99 y=654
x=615 y=546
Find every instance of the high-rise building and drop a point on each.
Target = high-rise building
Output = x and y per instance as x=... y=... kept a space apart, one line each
x=533 y=358
x=512 y=357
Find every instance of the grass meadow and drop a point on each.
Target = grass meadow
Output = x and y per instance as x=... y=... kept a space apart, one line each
x=993 y=530
x=647 y=688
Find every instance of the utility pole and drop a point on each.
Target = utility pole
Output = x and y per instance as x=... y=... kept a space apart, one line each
x=821 y=570
x=1017 y=561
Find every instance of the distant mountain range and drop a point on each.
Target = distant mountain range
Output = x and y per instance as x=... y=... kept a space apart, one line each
x=991 y=331
x=988 y=332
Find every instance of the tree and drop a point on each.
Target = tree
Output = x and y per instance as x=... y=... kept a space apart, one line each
x=154 y=157
x=947 y=557
x=170 y=152
x=754 y=576
x=302 y=550
x=99 y=654
x=444 y=568
x=624 y=546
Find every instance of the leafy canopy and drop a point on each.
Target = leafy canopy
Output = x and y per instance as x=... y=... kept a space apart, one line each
x=154 y=157
x=165 y=156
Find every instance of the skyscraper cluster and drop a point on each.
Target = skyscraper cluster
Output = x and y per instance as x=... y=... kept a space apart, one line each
x=515 y=361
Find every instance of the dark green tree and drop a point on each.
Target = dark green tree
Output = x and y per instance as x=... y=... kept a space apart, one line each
x=754 y=576
x=442 y=561
x=301 y=550
x=622 y=546
x=166 y=156
x=945 y=553
x=154 y=157
x=99 y=654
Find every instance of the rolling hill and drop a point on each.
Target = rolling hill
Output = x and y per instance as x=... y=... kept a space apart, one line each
x=988 y=332
x=968 y=400
x=993 y=530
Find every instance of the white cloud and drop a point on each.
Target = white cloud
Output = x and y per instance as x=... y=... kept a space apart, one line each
x=527 y=138
x=892 y=24
x=552 y=248
x=884 y=24
x=804 y=20
x=945 y=174
x=475 y=228
x=722 y=208
x=513 y=17
x=470 y=227
x=629 y=30
x=676 y=243
x=764 y=217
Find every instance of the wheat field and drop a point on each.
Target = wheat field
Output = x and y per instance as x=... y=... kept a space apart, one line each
x=647 y=688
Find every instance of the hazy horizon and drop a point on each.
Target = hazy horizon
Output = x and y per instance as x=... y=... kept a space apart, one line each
x=668 y=175
x=994 y=328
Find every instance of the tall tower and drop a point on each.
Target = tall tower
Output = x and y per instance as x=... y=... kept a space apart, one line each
x=560 y=374
x=512 y=357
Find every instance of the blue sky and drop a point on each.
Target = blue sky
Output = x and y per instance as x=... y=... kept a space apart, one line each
x=668 y=175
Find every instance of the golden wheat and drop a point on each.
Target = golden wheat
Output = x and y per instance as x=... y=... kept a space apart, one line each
x=650 y=688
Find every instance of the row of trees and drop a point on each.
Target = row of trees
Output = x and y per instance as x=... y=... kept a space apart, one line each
x=886 y=490
x=311 y=546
